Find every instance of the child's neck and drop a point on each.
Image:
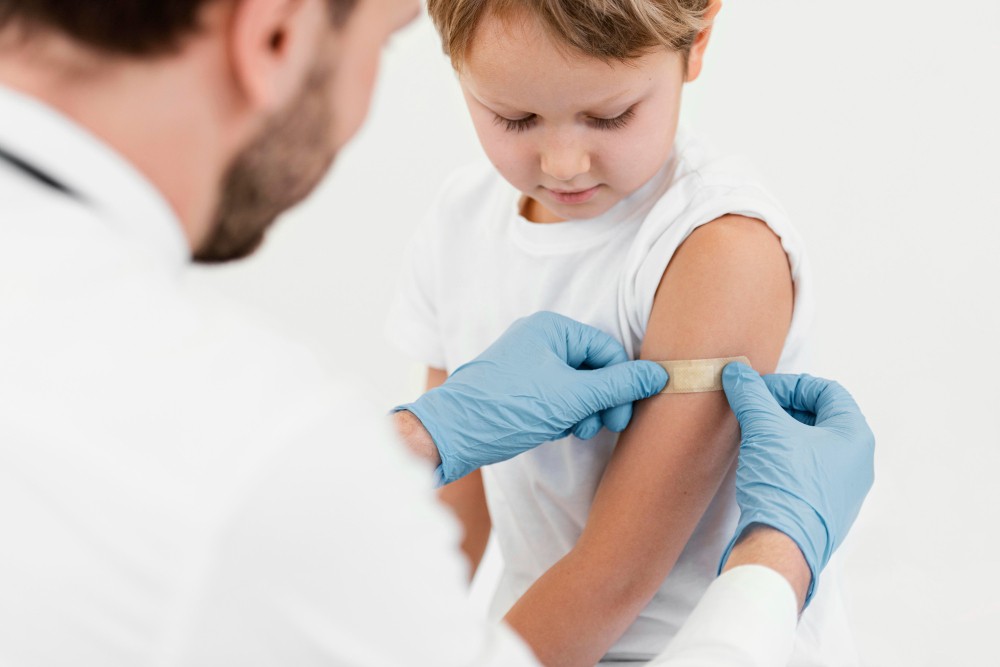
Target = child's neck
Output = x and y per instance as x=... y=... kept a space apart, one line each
x=532 y=211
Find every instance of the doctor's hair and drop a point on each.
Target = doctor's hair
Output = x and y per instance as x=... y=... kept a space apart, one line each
x=123 y=27
x=610 y=30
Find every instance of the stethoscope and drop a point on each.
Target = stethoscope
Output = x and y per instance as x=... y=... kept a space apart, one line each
x=36 y=173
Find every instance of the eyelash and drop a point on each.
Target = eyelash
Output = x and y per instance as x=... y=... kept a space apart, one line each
x=524 y=124
x=616 y=123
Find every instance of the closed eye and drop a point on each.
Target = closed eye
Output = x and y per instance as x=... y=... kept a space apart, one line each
x=616 y=123
x=527 y=122
x=515 y=124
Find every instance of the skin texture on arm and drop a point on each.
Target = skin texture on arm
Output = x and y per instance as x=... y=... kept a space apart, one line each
x=467 y=500
x=727 y=292
x=415 y=437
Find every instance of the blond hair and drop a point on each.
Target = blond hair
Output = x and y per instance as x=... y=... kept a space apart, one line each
x=604 y=29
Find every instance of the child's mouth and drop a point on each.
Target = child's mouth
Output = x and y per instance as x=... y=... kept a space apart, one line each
x=573 y=196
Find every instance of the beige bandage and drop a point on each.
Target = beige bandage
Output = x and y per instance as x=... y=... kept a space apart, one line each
x=695 y=376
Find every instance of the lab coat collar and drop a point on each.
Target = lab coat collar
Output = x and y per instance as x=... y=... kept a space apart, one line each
x=93 y=172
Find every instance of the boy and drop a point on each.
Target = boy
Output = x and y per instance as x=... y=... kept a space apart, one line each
x=596 y=208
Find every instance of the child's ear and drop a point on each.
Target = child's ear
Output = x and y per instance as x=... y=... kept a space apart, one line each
x=696 y=57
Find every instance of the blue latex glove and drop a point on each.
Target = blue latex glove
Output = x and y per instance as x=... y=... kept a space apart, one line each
x=546 y=377
x=806 y=459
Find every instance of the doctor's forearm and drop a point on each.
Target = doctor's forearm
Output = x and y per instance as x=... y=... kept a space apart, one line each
x=763 y=545
x=416 y=438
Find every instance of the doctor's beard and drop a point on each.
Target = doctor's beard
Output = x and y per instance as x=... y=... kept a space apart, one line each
x=280 y=168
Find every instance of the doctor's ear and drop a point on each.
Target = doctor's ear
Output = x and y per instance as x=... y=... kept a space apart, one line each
x=273 y=47
x=696 y=57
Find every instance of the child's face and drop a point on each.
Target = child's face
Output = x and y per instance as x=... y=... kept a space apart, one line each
x=573 y=133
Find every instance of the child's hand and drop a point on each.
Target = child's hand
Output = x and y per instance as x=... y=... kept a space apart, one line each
x=546 y=377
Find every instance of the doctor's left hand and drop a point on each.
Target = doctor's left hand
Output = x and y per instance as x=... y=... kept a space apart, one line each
x=546 y=377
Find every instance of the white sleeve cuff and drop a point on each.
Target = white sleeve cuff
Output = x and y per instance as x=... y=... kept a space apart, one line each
x=747 y=618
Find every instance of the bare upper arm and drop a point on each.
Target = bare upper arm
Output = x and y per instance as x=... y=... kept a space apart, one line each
x=727 y=288
x=727 y=292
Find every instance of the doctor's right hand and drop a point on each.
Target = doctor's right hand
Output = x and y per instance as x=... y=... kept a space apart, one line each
x=806 y=459
x=546 y=377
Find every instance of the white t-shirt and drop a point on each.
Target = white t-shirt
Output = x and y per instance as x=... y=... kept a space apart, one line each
x=477 y=265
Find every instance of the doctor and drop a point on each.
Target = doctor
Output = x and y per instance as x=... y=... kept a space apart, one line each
x=181 y=487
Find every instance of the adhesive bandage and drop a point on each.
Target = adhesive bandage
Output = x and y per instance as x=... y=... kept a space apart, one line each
x=694 y=376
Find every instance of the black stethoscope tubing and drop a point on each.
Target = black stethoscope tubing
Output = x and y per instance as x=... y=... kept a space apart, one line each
x=36 y=173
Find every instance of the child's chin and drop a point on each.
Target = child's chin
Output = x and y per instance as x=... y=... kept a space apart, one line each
x=591 y=209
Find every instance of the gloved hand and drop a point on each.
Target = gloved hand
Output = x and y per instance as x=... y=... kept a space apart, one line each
x=806 y=459
x=546 y=377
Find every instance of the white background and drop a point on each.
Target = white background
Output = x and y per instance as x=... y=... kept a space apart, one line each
x=876 y=123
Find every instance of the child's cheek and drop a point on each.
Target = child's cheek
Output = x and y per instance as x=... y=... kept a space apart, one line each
x=641 y=154
x=513 y=159
x=623 y=159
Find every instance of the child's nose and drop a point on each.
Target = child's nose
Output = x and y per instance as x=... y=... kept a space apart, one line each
x=566 y=162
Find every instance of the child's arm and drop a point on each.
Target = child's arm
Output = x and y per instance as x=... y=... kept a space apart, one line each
x=726 y=292
x=466 y=498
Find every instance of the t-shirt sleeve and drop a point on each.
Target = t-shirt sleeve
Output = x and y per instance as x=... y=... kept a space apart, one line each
x=412 y=325
x=337 y=554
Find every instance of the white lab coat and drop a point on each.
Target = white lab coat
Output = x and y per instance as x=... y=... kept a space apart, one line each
x=180 y=487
